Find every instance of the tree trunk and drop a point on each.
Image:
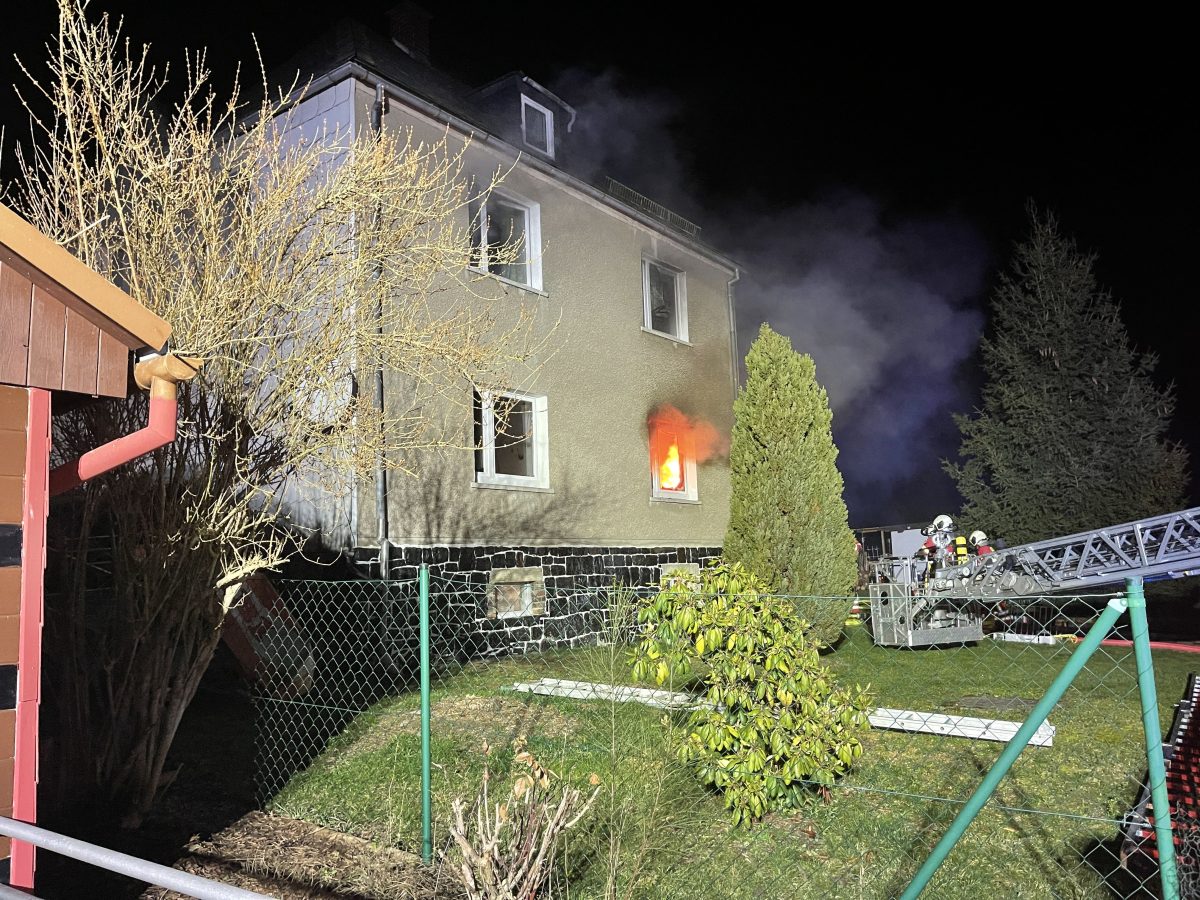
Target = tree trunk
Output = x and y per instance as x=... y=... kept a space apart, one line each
x=130 y=631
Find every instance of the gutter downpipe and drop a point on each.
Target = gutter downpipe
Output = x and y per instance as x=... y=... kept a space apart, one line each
x=383 y=529
x=161 y=375
x=735 y=365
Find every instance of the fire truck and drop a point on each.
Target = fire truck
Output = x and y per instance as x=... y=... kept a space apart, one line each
x=915 y=602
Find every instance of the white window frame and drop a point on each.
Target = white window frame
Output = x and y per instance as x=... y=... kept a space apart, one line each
x=691 y=490
x=539 y=442
x=533 y=238
x=527 y=102
x=681 y=317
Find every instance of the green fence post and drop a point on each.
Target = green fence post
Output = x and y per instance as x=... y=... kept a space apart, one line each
x=1155 y=768
x=426 y=783
x=1013 y=749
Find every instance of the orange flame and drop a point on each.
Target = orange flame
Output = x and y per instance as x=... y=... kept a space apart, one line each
x=676 y=439
x=670 y=473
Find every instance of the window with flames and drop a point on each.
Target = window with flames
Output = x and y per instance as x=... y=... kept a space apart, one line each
x=672 y=465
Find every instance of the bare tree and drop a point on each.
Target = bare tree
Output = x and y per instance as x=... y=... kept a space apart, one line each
x=287 y=263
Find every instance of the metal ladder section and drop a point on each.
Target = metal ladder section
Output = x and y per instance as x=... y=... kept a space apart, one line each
x=1166 y=546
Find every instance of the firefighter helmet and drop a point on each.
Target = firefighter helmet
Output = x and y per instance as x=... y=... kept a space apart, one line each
x=943 y=523
x=977 y=538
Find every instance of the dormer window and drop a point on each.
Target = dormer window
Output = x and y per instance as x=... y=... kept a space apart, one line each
x=537 y=126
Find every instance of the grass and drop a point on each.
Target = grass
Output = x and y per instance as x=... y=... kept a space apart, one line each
x=1049 y=832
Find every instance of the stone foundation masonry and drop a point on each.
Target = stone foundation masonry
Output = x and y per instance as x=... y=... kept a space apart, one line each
x=577 y=581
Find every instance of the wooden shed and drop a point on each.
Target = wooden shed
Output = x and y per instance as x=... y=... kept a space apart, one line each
x=66 y=333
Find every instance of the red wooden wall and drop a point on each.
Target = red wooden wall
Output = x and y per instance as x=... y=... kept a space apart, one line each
x=51 y=339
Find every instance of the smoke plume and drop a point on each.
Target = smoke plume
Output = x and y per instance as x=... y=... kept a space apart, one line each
x=666 y=423
x=887 y=304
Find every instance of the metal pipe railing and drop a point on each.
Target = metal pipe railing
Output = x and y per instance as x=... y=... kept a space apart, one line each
x=143 y=870
x=11 y=893
x=1116 y=607
x=426 y=753
x=1156 y=769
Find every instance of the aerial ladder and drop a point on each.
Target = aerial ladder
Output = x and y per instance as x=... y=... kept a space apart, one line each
x=914 y=606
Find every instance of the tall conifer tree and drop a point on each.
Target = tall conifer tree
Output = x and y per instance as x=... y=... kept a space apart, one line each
x=788 y=521
x=1071 y=435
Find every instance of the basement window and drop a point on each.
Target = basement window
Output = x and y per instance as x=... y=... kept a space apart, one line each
x=514 y=593
x=537 y=126
x=511 y=440
x=672 y=467
x=507 y=240
x=664 y=299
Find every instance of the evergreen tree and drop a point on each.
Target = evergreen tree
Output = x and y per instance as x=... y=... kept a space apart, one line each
x=1071 y=434
x=788 y=521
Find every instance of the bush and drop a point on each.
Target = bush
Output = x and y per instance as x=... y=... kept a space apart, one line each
x=775 y=722
x=508 y=845
x=826 y=617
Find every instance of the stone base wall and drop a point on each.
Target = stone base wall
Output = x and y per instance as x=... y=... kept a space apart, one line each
x=576 y=580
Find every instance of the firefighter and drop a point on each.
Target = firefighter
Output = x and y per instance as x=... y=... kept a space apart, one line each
x=938 y=548
x=979 y=542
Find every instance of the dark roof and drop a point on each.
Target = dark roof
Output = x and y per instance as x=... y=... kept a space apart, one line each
x=350 y=41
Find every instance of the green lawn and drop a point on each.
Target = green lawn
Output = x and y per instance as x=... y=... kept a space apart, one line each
x=656 y=833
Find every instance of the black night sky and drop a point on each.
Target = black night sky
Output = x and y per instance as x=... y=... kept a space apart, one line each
x=871 y=174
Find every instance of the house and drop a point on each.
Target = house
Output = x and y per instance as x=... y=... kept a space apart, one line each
x=603 y=468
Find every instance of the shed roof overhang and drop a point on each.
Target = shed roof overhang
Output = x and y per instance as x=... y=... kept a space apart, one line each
x=108 y=300
x=52 y=306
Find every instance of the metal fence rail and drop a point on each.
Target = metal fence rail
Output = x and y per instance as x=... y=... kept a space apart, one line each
x=345 y=750
x=143 y=870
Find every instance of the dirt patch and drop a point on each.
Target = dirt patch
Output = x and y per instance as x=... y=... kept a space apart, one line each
x=469 y=716
x=294 y=860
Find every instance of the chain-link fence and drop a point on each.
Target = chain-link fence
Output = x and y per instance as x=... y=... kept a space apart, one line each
x=340 y=742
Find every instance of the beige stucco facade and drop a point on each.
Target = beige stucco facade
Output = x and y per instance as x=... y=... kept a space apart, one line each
x=601 y=372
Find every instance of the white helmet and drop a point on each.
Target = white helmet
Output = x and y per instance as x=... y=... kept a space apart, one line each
x=943 y=523
x=977 y=538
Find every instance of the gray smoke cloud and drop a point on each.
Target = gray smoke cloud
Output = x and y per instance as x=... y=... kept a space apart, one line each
x=888 y=309
x=888 y=305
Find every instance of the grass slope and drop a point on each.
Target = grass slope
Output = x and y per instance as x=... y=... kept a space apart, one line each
x=1049 y=832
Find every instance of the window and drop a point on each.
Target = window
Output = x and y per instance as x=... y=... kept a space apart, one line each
x=513 y=593
x=665 y=299
x=508 y=240
x=537 y=126
x=511 y=446
x=672 y=466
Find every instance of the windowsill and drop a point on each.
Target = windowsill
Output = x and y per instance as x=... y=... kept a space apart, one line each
x=509 y=616
x=541 y=154
x=670 y=337
x=524 y=287
x=533 y=488
x=685 y=500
